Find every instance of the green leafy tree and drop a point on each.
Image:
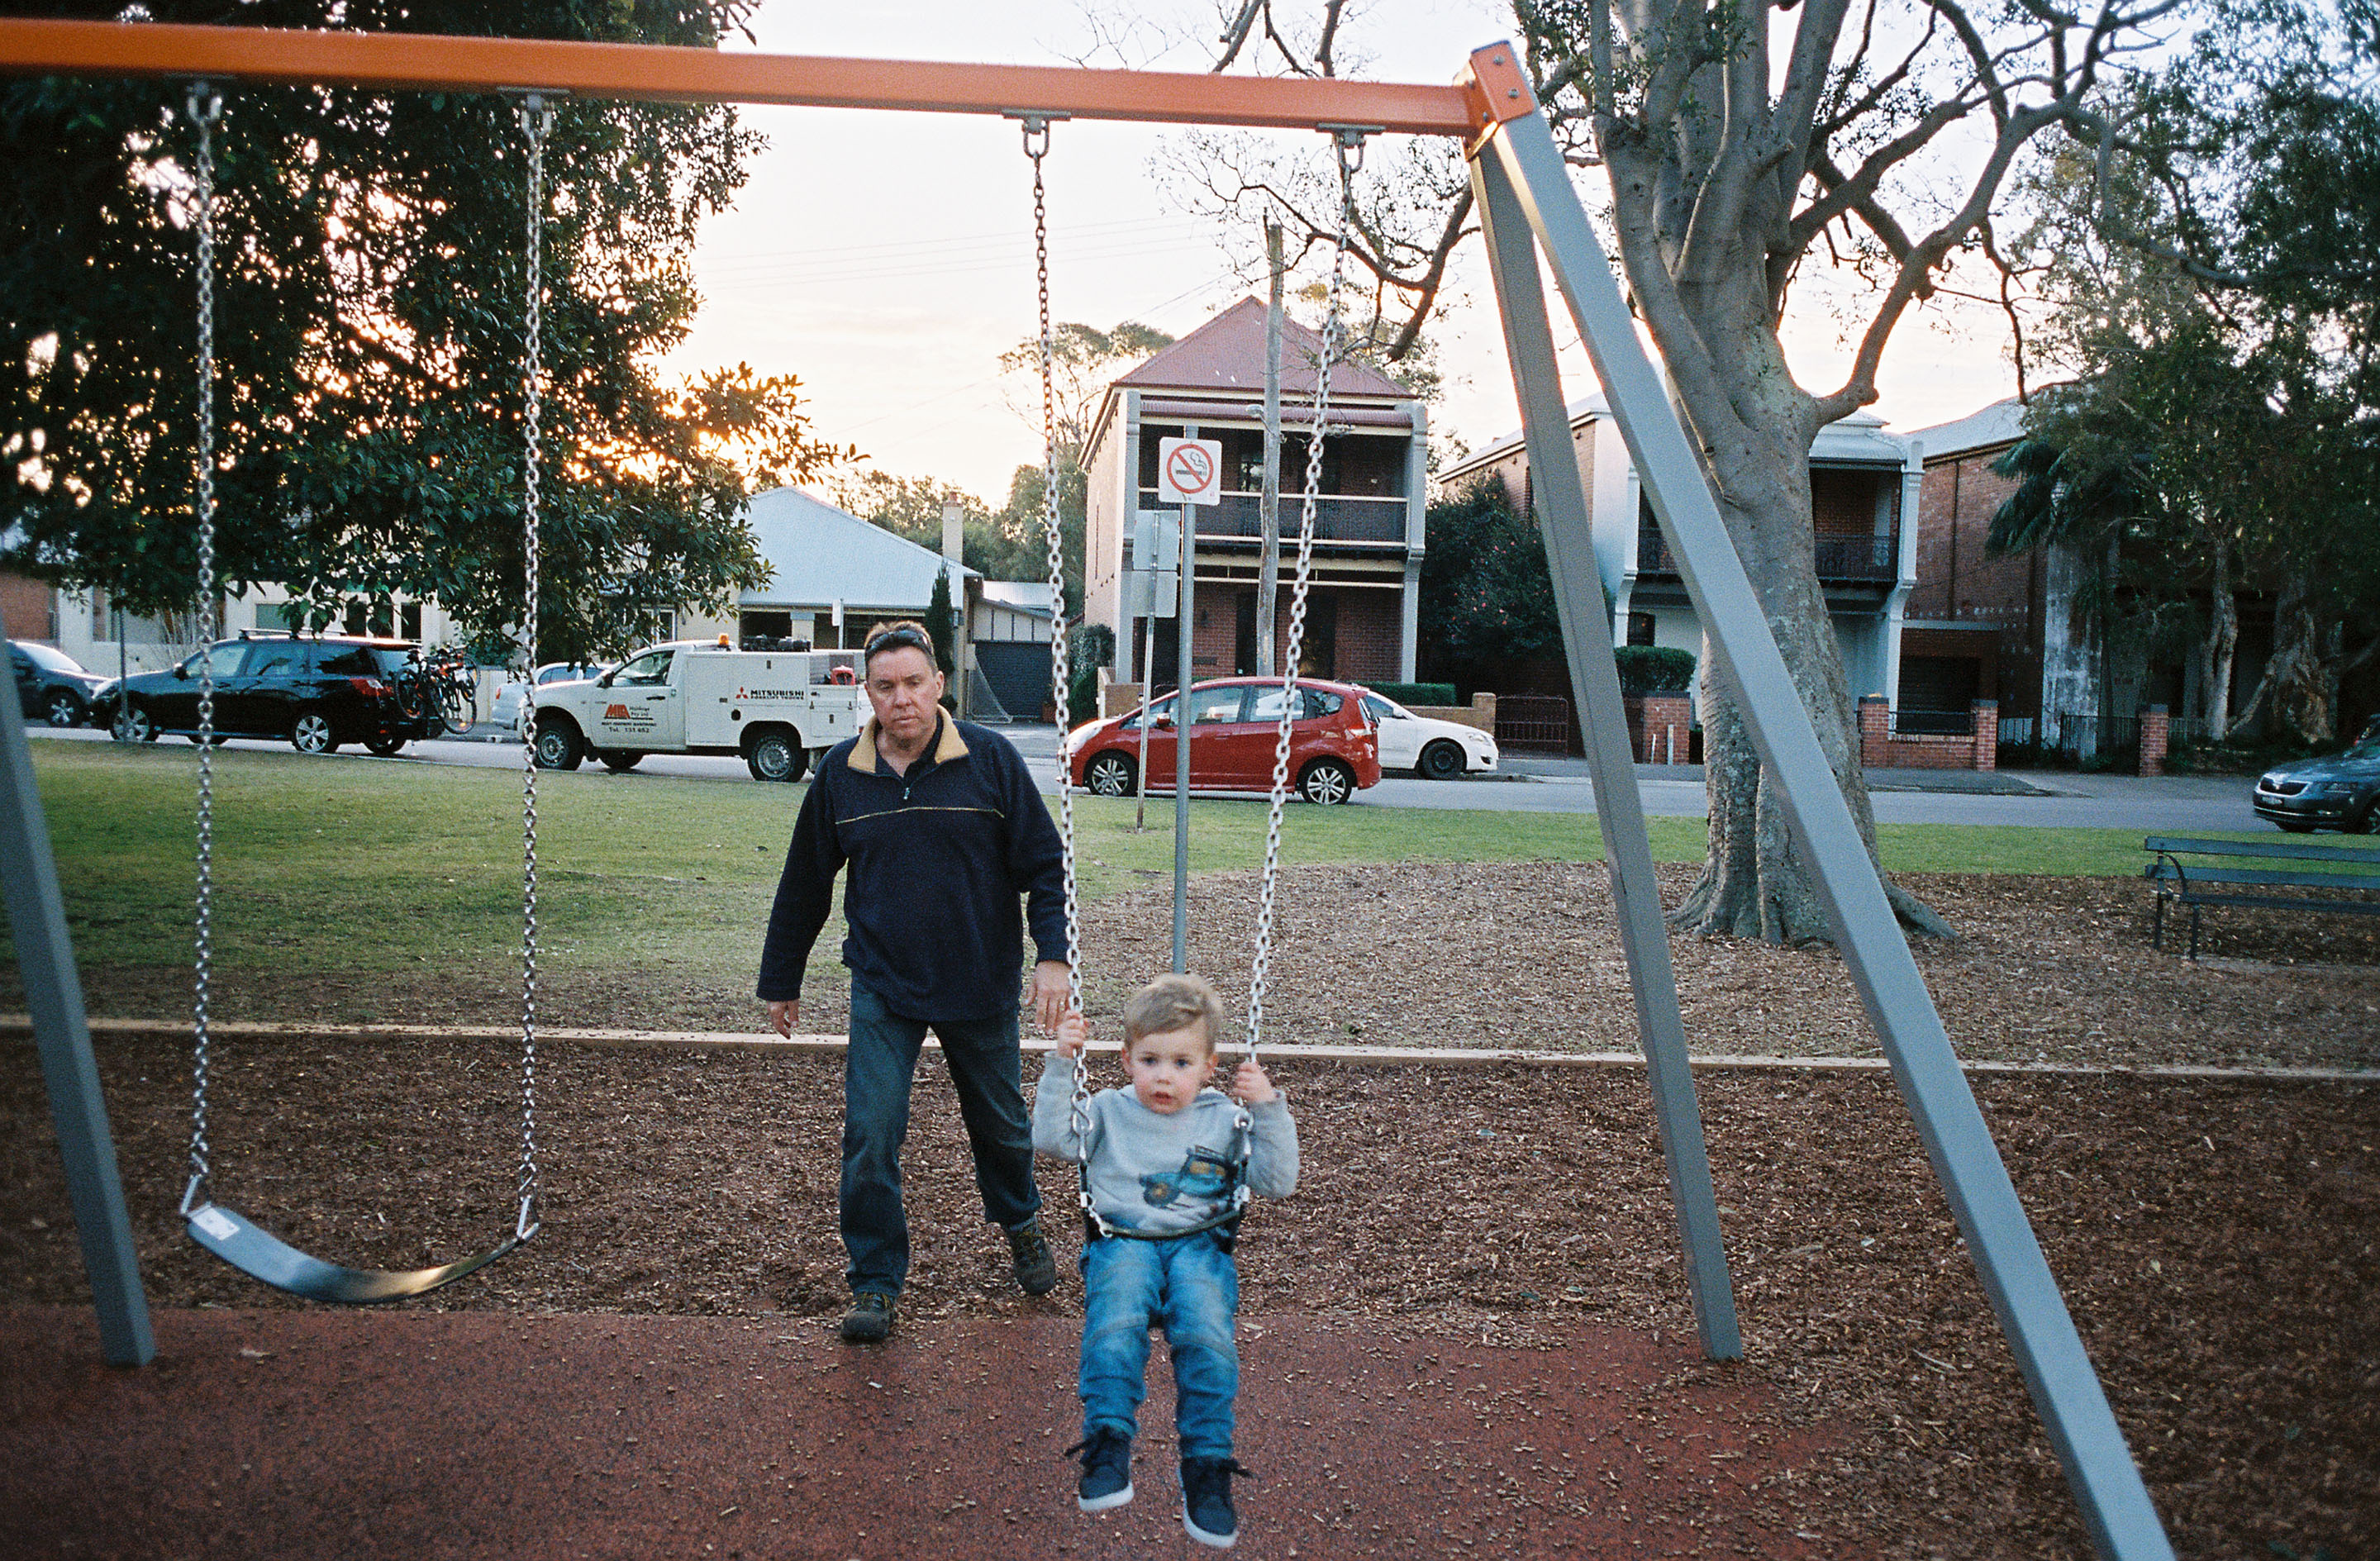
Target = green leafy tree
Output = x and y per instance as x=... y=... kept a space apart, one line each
x=1486 y=591
x=368 y=338
x=2213 y=260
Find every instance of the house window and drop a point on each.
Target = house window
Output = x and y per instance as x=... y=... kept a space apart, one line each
x=1640 y=628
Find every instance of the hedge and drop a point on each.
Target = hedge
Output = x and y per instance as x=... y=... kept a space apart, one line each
x=1654 y=669
x=1416 y=692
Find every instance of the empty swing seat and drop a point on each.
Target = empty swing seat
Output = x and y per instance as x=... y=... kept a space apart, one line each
x=260 y=1255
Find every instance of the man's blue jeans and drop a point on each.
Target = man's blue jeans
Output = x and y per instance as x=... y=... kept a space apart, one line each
x=876 y=1072
x=1191 y=1286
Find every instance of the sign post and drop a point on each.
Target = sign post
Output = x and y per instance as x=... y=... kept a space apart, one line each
x=1190 y=473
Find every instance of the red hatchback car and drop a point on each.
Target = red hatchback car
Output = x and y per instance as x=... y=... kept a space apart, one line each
x=1333 y=752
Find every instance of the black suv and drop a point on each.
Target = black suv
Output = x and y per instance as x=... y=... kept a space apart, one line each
x=51 y=684
x=317 y=692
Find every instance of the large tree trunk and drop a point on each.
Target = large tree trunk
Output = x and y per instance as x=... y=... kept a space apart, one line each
x=2299 y=686
x=2222 y=648
x=1754 y=883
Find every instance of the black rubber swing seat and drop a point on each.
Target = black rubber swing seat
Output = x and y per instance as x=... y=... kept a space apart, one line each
x=260 y=1255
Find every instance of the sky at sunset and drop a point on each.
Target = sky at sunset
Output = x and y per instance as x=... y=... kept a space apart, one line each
x=886 y=257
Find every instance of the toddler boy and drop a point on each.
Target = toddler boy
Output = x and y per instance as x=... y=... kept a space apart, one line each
x=1166 y=1156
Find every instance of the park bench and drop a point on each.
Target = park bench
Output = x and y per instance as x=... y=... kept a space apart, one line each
x=2204 y=872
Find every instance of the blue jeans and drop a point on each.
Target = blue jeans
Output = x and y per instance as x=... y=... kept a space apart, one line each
x=878 y=1069
x=1190 y=1285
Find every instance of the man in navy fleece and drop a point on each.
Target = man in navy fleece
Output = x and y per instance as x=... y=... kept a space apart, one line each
x=942 y=830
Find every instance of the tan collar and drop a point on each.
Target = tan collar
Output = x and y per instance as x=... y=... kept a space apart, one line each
x=948 y=744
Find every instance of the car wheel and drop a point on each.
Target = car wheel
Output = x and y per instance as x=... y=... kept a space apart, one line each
x=1110 y=775
x=620 y=760
x=775 y=756
x=63 y=708
x=133 y=725
x=1441 y=761
x=559 y=745
x=383 y=743
x=311 y=733
x=2371 y=817
x=1327 y=783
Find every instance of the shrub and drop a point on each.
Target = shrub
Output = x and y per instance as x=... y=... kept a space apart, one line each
x=1654 y=669
x=1089 y=647
x=1416 y=692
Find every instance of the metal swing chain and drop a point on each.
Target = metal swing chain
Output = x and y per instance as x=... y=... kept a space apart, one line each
x=536 y=121
x=1349 y=146
x=205 y=107
x=1078 y=1106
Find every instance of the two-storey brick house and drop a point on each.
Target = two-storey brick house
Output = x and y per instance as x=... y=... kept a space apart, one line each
x=1361 y=621
x=1863 y=488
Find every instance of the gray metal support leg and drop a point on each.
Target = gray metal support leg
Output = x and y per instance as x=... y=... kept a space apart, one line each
x=1595 y=677
x=53 y=992
x=2073 y=1407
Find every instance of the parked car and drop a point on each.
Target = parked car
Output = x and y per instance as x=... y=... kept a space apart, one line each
x=1333 y=752
x=51 y=684
x=1433 y=749
x=506 y=711
x=2338 y=792
x=317 y=692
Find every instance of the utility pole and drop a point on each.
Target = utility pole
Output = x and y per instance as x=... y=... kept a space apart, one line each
x=1269 y=504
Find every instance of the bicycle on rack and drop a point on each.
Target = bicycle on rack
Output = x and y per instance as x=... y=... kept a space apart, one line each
x=439 y=689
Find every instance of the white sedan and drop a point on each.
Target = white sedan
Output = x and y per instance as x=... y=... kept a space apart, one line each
x=1437 y=750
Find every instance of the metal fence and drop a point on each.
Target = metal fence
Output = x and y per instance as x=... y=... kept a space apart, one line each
x=1935 y=723
x=1837 y=558
x=1536 y=724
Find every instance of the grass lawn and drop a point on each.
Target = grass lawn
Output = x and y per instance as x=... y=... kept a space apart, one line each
x=361 y=867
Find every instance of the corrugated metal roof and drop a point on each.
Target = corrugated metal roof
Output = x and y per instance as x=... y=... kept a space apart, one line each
x=1228 y=354
x=2000 y=423
x=817 y=555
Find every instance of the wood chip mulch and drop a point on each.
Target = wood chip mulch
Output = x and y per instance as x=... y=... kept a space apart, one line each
x=2215 y=1239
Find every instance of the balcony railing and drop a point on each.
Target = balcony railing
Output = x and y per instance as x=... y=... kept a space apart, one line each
x=1336 y=519
x=1840 y=558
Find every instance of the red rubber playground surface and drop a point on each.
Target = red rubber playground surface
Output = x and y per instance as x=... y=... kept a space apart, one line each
x=463 y=1434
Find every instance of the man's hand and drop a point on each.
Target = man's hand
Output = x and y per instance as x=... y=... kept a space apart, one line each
x=1253 y=1086
x=1074 y=1034
x=783 y=1016
x=1050 y=998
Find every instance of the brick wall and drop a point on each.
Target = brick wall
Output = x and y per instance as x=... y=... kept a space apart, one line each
x=1956 y=582
x=2155 y=735
x=1842 y=503
x=1367 y=637
x=28 y=609
x=1881 y=748
x=1480 y=713
x=1660 y=727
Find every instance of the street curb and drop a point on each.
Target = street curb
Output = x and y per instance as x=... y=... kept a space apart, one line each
x=17 y=1026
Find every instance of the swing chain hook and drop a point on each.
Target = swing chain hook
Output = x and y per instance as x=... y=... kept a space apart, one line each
x=205 y=104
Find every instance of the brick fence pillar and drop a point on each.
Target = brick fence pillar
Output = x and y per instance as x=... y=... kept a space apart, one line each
x=1875 y=731
x=1667 y=718
x=1987 y=713
x=2153 y=737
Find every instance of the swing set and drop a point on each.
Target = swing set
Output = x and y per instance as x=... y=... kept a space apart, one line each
x=1530 y=214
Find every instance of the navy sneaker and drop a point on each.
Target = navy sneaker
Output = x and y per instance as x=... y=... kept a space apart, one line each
x=869 y=1319
x=1107 y=1471
x=1029 y=1251
x=1206 y=1501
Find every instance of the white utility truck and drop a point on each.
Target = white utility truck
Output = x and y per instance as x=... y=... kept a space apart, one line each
x=777 y=710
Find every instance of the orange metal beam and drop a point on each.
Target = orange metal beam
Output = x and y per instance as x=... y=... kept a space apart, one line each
x=397 y=60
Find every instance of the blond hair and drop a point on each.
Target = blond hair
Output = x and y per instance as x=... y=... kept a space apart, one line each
x=1170 y=1003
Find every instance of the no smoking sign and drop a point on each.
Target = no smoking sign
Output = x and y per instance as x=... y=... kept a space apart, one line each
x=1190 y=471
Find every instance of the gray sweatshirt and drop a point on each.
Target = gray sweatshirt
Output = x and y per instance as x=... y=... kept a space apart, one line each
x=1154 y=1171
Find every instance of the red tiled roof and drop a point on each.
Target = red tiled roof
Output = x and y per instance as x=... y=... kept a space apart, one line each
x=1228 y=354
